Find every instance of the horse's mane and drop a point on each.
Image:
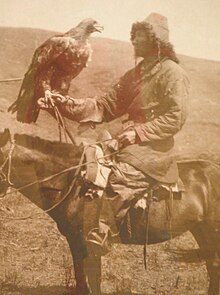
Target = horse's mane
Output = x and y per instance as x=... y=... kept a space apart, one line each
x=65 y=150
x=47 y=147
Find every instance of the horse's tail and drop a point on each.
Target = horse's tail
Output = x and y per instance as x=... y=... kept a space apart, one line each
x=212 y=177
x=215 y=180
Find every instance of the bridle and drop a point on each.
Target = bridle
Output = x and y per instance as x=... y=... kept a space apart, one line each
x=5 y=176
x=5 y=168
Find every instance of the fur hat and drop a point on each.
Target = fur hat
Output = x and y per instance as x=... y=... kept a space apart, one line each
x=159 y=25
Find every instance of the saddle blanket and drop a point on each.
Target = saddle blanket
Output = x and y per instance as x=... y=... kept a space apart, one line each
x=176 y=188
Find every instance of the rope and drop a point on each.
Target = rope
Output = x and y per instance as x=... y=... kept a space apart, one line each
x=169 y=210
x=129 y=229
x=60 y=120
x=9 y=160
x=57 y=174
x=147 y=211
x=11 y=80
x=77 y=167
x=71 y=185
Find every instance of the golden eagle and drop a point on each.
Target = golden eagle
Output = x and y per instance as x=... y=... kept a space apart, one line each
x=54 y=64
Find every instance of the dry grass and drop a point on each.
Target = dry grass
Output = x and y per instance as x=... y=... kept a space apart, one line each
x=35 y=260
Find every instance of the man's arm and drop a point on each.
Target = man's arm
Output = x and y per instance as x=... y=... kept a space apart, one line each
x=98 y=109
x=81 y=110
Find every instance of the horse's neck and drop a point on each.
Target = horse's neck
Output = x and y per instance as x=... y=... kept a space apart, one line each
x=30 y=167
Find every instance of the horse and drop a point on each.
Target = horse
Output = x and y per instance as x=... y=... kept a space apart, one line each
x=27 y=163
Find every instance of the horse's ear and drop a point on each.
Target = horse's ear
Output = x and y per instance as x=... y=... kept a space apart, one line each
x=4 y=137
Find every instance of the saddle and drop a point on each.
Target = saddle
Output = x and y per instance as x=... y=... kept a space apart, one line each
x=100 y=160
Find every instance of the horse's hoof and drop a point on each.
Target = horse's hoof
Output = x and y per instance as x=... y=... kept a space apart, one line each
x=70 y=291
x=80 y=291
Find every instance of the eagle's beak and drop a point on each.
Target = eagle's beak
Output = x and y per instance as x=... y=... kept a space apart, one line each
x=98 y=28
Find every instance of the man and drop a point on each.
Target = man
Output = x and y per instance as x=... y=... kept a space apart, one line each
x=154 y=95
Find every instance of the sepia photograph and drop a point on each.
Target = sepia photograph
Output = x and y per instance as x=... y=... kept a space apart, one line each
x=109 y=147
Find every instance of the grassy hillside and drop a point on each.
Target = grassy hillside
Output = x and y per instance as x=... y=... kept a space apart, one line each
x=111 y=59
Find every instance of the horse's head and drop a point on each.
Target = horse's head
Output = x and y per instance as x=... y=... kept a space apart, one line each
x=5 y=157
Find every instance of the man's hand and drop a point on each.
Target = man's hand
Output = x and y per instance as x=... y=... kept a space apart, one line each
x=127 y=137
x=48 y=97
x=47 y=101
x=60 y=98
x=43 y=103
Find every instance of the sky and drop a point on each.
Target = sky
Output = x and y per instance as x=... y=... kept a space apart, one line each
x=193 y=24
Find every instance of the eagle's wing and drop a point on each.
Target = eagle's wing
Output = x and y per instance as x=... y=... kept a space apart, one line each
x=44 y=57
x=49 y=51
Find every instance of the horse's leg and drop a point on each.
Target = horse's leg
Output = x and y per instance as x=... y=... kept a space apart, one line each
x=70 y=228
x=87 y=269
x=209 y=243
x=78 y=252
x=93 y=271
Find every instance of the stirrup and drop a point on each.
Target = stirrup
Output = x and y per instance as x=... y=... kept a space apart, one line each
x=99 y=243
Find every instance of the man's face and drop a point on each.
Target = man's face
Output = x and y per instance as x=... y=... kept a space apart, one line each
x=142 y=44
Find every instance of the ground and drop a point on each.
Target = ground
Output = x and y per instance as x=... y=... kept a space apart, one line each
x=35 y=259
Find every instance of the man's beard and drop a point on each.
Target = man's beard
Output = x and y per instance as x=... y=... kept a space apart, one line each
x=148 y=54
x=137 y=54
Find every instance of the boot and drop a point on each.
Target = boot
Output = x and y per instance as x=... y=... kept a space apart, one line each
x=98 y=240
x=99 y=226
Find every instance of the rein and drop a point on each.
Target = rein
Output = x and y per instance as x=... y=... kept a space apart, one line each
x=7 y=177
x=77 y=167
x=60 y=120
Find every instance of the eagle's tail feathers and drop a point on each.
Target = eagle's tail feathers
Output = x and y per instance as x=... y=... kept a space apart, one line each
x=13 y=107
x=25 y=105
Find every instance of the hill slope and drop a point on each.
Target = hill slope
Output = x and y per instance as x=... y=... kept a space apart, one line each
x=111 y=59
